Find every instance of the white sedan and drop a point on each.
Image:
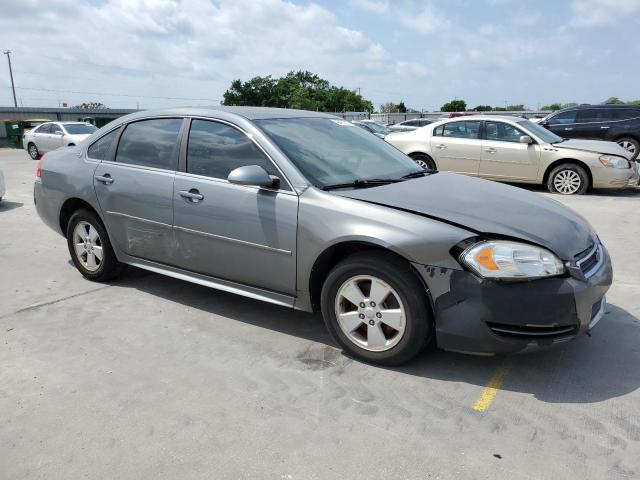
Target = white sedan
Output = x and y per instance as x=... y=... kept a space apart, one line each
x=51 y=135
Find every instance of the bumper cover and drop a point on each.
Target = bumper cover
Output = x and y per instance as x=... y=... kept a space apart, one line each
x=482 y=316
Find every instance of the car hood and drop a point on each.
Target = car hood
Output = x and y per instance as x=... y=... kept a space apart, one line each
x=596 y=146
x=487 y=208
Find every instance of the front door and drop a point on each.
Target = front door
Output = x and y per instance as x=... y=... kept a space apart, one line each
x=233 y=232
x=562 y=124
x=56 y=136
x=135 y=188
x=504 y=157
x=456 y=146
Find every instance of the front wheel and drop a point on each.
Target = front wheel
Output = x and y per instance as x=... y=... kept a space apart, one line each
x=630 y=144
x=376 y=309
x=424 y=161
x=568 y=179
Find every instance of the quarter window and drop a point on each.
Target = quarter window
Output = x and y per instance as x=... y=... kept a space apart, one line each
x=563 y=118
x=215 y=149
x=467 y=129
x=99 y=149
x=150 y=143
x=502 y=132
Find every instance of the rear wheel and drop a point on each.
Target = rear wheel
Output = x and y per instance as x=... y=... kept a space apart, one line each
x=568 y=179
x=90 y=249
x=376 y=308
x=33 y=151
x=630 y=144
x=424 y=161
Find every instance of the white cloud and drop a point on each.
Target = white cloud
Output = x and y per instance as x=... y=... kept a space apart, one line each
x=600 y=13
x=425 y=19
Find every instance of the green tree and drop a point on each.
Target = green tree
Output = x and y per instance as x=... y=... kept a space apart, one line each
x=401 y=107
x=516 y=108
x=613 y=101
x=553 y=107
x=454 y=106
x=90 y=106
x=569 y=105
x=634 y=102
x=304 y=90
x=483 y=108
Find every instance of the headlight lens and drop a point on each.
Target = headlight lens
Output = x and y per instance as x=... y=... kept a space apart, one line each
x=504 y=259
x=614 y=161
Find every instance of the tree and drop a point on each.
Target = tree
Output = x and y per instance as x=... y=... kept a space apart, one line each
x=304 y=90
x=91 y=106
x=634 y=102
x=516 y=108
x=553 y=107
x=401 y=107
x=482 y=108
x=613 y=101
x=569 y=105
x=454 y=106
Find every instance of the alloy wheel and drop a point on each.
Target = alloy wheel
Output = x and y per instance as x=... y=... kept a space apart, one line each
x=33 y=151
x=567 y=182
x=627 y=145
x=88 y=246
x=370 y=313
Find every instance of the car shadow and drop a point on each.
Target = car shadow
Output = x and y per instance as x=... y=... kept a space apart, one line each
x=5 y=205
x=627 y=192
x=586 y=370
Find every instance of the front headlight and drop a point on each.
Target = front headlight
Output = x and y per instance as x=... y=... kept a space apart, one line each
x=505 y=259
x=613 y=161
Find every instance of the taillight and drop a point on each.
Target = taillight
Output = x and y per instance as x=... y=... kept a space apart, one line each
x=39 y=167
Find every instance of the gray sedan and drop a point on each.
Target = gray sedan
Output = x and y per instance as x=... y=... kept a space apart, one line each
x=308 y=211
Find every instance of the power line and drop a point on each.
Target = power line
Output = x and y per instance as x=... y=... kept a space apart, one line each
x=112 y=94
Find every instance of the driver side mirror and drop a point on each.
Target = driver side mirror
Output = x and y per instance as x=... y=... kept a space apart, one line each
x=253 y=175
x=58 y=132
x=526 y=139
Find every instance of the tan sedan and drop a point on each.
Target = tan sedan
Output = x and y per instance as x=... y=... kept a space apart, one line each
x=514 y=149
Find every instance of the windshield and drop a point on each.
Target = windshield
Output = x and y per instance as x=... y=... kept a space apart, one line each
x=540 y=132
x=79 y=128
x=330 y=152
x=376 y=127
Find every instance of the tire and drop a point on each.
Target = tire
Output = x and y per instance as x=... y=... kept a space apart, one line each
x=405 y=306
x=425 y=161
x=34 y=153
x=85 y=223
x=568 y=179
x=630 y=144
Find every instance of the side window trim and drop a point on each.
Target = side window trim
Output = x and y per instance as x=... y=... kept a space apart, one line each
x=111 y=152
x=182 y=162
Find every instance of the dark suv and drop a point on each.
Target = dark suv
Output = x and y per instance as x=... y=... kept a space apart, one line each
x=617 y=123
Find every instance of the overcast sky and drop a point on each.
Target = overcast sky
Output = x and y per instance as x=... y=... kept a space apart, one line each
x=127 y=52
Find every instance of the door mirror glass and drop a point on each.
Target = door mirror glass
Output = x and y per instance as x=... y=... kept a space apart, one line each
x=526 y=139
x=253 y=175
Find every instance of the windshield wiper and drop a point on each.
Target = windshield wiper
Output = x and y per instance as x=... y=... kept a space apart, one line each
x=560 y=141
x=359 y=183
x=419 y=173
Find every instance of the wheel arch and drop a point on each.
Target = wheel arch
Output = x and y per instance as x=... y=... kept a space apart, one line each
x=573 y=161
x=420 y=152
x=72 y=205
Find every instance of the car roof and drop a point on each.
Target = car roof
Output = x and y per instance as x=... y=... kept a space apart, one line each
x=509 y=118
x=598 y=106
x=250 y=113
x=71 y=123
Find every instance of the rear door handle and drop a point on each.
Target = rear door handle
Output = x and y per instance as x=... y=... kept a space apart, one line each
x=106 y=179
x=442 y=146
x=568 y=128
x=490 y=150
x=193 y=195
x=604 y=127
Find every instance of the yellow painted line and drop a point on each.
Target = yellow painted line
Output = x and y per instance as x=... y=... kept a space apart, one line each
x=490 y=391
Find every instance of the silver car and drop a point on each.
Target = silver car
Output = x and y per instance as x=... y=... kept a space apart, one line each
x=409 y=125
x=514 y=149
x=52 y=135
x=308 y=211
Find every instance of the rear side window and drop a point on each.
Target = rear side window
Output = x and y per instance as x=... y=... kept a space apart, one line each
x=215 y=149
x=461 y=129
x=150 y=143
x=591 y=115
x=99 y=149
x=563 y=118
x=624 y=113
x=55 y=128
x=46 y=128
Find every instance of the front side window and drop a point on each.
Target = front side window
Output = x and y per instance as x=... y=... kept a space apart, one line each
x=215 y=149
x=79 y=128
x=502 y=132
x=331 y=151
x=99 y=149
x=55 y=128
x=150 y=143
x=468 y=129
x=563 y=118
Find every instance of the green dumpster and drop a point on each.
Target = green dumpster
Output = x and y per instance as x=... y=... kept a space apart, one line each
x=17 y=128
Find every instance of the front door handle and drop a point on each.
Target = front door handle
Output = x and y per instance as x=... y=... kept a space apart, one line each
x=604 y=127
x=442 y=146
x=192 y=195
x=106 y=179
x=568 y=128
x=490 y=150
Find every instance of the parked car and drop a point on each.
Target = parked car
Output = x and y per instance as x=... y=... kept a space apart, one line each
x=3 y=189
x=617 y=123
x=376 y=128
x=514 y=149
x=409 y=125
x=52 y=135
x=306 y=210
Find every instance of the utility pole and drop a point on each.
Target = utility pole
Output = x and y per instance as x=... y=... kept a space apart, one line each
x=13 y=87
x=358 y=91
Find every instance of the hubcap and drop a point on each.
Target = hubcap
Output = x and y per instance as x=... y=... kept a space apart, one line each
x=422 y=163
x=627 y=145
x=567 y=182
x=370 y=313
x=88 y=246
x=33 y=151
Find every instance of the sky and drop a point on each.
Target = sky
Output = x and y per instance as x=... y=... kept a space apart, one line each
x=155 y=53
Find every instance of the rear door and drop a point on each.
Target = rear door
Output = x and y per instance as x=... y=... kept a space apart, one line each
x=41 y=137
x=504 y=157
x=134 y=185
x=591 y=123
x=457 y=146
x=239 y=233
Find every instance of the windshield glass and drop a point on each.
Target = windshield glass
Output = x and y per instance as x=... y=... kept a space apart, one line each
x=331 y=151
x=376 y=127
x=79 y=128
x=540 y=132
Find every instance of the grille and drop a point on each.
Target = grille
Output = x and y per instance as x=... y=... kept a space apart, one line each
x=588 y=260
x=532 y=331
